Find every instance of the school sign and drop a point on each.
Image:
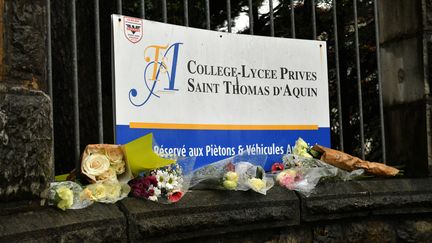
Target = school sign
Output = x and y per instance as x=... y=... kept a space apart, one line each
x=213 y=95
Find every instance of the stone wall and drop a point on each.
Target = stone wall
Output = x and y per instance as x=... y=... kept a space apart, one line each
x=380 y=210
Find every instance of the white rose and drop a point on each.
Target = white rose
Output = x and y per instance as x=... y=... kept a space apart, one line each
x=95 y=165
x=114 y=154
x=109 y=176
x=119 y=168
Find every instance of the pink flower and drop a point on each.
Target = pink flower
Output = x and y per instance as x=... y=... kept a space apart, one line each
x=299 y=177
x=175 y=196
x=288 y=181
x=287 y=178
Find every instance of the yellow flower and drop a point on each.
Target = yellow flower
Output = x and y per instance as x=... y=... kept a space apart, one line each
x=66 y=197
x=87 y=194
x=231 y=176
x=230 y=185
x=300 y=148
x=301 y=144
x=256 y=184
x=113 y=191
x=305 y=154
x=98 y=191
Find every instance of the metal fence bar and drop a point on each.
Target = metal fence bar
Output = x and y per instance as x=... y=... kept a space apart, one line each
x=229 y=15
x=49 y=74
x=293 y=32
x=49 y=52
x=186 y=12
x=143 y=9
x=75 y=82
x=360 y=98
x=314 y=29
x=381 y=106
x=208 y=13
x=164 y=11
x=251 y=21
x=98 y=71
x=119 y=6
x=338 y=81
x=271 y=18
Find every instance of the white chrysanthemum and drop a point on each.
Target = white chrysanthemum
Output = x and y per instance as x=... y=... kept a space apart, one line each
x=157 y=191
x=175 y=182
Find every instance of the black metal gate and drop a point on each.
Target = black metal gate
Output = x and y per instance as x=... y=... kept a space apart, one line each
x=79 y=61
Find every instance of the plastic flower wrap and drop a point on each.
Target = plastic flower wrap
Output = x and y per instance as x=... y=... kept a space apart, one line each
x=105 y=192
x=66 y=195
x=303 y=174
x=161 y=178
x=105 y=163
x=242 y=172
x=141 y=157
x=167 y=184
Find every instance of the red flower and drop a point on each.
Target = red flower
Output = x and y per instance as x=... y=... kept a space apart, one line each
x=277 y=167
x=141 y=187
x=175 y=196
x=230 y=167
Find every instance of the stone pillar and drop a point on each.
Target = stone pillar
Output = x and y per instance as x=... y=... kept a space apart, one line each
x=23 y=46
x=404 y=85
x=26 y=157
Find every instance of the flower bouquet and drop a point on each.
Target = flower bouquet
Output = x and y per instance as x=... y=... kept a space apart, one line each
x=67 y=195
x=240 y=173
x=166 y=185
x=105 y=192
x=301 y=172
x=160 y=179
x=105 y=163
x=105 y=167
x=342 y=160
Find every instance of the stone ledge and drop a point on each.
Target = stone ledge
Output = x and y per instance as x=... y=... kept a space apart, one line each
x=206 y=213
x=372 y=197
x=97 y=223
x=401 y=208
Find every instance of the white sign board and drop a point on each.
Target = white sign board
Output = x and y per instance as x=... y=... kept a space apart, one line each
x=213 y=95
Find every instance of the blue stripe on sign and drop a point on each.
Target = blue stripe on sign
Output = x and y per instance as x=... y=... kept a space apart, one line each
x=213 y=145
